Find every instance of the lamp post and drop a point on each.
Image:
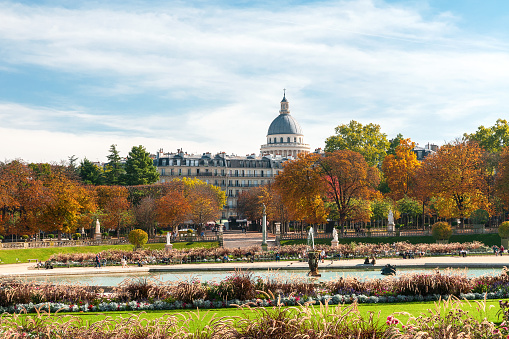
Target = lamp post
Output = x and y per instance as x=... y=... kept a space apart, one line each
x=264 y=229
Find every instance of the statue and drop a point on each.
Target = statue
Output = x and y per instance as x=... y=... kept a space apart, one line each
x=97 y=235
x=334 y=234
x=390 y=225
x=168 y=246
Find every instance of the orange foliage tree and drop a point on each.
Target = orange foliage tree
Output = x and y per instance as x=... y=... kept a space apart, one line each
x=349 y=179
x=502 y=177
x=68 y=201
x=399 y=169
x=456 y=179
x=301 y=189
x=172 y=208
x=21 y=197
x=116 y=212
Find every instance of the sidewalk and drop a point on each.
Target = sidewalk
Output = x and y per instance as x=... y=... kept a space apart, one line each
x=487 y=262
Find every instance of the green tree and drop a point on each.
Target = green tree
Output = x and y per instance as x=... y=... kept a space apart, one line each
x=393 y=143
x=139 y=167
x=114 y=168
x=366 y=140
x=493 y=138
x=409 y=207
x=90 y=173
x=138 y=238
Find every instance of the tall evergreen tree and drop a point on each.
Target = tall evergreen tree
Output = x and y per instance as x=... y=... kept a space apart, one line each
x=139 y=167
x=115 y=171
x=90 y=173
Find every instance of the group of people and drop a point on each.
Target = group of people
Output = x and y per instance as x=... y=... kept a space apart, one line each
x=368 y=262
x=498 y=250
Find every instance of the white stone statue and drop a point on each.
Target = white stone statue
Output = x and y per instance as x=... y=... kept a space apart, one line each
x=391 y=218
x=168 y=238
x=97 y=226
x=334 y=234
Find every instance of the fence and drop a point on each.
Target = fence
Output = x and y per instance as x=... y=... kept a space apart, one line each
x=381 y=234
x=121 y=241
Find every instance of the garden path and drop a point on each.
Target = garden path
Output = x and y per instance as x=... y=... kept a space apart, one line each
x=235 y=239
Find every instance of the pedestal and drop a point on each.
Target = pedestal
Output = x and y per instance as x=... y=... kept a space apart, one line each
x=334 y=243
x=265 y=247
x=98 y=237
x=169 y=246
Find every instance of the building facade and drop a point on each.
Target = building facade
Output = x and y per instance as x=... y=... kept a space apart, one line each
x=235 y=174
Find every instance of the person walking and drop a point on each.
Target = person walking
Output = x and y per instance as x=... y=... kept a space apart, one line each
x=97 y=261
x=501 y=251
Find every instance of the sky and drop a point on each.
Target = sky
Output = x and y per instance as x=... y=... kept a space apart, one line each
x=208 y=76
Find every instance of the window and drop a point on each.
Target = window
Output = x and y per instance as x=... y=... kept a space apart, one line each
x=162 y=172
x=281 y=139
x=197 y=171
x=188 y=171
x=171 y=171
x=295 y=139
x=288 y=139
x=180 y=171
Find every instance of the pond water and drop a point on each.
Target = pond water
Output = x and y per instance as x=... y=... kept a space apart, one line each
x=115 y=279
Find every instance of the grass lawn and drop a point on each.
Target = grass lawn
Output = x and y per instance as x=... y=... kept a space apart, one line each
x=204 y=317
x=11 y=256
x=487 y=239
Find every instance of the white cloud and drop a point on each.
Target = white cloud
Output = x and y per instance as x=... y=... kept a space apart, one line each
x=365 y=60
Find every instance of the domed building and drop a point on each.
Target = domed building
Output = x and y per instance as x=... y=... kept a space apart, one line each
x=285 y=135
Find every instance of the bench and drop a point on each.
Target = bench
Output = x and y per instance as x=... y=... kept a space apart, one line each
x=33 y=260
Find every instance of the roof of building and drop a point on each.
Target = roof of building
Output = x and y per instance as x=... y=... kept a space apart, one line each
x=284 y=124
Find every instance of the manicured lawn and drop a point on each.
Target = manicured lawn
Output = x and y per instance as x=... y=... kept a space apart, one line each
x=11 y=256
x=402 y=311
x=487 y=239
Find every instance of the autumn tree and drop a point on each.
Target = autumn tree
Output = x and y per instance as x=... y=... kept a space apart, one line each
x=173 y=208
x=205 y=200
x=502 y=177
x=249 y=203
x=68 y=201
x=399 y=169
x=301 y=188
x=456 y=180
x=348 y=179
x=145 y=215
x=21 y=198
x=367 y=140
x=115 y=207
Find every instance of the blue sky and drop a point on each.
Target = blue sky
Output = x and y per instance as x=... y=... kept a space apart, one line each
x=208 y=76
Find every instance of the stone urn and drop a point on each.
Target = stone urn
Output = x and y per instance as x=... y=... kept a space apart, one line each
x=313 y=264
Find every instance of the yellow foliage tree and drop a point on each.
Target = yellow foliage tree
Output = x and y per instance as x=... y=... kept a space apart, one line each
x=399 y=169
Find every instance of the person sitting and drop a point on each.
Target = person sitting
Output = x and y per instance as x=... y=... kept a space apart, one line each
x=373 y=261
x=366 y=261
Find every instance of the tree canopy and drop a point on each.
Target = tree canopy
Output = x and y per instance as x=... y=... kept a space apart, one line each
x=367 y=140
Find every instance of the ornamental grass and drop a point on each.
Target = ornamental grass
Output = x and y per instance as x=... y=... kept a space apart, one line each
x=447 y=319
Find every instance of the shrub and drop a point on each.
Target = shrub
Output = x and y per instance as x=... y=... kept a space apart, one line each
x=77 y=236
x=503 y=230
x=24 y=237
x=138 y=238
x=441 y=230
x=51 y=236
x=1 y=237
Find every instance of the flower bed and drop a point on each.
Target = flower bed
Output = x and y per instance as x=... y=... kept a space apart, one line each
x=352 y=250
x=243 y=288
